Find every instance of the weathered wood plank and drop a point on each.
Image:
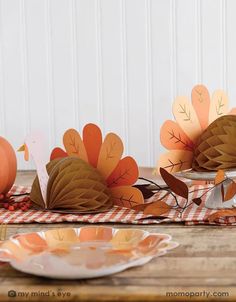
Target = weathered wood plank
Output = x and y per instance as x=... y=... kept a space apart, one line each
x=117 y=293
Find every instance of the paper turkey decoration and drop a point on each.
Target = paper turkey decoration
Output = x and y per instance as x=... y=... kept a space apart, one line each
x=180 y=137
x=89 y=176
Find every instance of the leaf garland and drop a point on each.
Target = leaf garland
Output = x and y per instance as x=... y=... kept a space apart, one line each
x=157 y=208
x=220 y=176
x=231 y=191
x=176 y=188
x=176 y=185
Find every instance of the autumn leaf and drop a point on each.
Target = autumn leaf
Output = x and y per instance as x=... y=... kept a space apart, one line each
x=197 y=201
x=157 y=208
x=221 y=214
x=126 y=173
x=220 y=176
x=231 y=191
x=175 y=184
x=74 y=145
x=110 y=154
x=58 y=153
x=173 y=137
x=147 y=193
x=92 y=138
x=222 y=192
x=126 y=196
x=140 y=207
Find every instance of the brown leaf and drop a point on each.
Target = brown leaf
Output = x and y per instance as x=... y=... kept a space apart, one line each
x=147 y=193
x=231 y=191
x=140 y=207
x=176 y=185
x=221 y=213
x=220 y=176
x=157 y=208
x=222 y=192
x=197 y=201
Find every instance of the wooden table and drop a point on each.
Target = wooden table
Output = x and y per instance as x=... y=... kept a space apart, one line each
x=204 y=263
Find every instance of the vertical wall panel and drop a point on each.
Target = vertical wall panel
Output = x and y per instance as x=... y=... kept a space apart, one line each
x=59 y=40
x=137 y=82
x=212 y=44
x=113 y=115
x=39 y=117
x=15 y=73
x=117 y=63
x=88 y=97
x=161 y=67
x=185 y=47
x=230 y=42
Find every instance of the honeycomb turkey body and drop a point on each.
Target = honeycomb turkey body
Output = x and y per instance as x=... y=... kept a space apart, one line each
x=216 y=147
x=73 y=185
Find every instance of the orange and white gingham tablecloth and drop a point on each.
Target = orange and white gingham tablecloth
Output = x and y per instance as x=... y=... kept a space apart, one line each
x=191 y=216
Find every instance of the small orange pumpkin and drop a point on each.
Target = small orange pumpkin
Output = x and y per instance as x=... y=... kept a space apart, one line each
x=7 y=166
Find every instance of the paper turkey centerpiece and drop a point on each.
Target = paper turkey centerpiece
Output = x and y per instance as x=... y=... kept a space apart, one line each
x=88 y=177
x=191 y=143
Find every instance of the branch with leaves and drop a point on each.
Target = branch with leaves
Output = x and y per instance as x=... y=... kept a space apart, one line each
x=178 y=189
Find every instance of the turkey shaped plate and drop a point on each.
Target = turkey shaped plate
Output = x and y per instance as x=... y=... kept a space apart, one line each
x=86 y=252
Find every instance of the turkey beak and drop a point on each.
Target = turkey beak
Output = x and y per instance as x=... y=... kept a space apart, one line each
x=24 y=149
x=21 y=149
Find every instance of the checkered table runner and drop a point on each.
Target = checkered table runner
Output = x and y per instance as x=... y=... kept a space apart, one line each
x=191 y=216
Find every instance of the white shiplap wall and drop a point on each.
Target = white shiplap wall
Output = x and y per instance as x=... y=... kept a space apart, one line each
x=118 y=63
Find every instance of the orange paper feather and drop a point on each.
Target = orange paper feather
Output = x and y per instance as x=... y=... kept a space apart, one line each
x=201 y=104
x=186 y=117
x=175 y=160
x=92 y=138
x=127 y=197
x=126 y=173
x=110 y=154
x=74 y=145
x=173 y=137
x=219 y=105
x=58 y=153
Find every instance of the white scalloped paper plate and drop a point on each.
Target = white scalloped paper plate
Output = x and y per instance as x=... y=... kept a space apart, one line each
x=86 y=252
